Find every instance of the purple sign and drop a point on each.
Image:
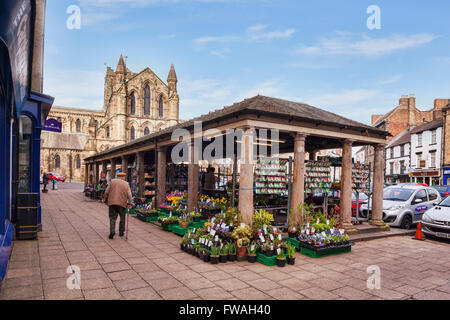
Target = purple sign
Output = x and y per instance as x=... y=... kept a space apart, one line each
x=52 y=125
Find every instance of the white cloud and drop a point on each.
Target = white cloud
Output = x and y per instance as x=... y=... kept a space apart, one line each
x=391 y=80
x=342 y=43
x=257 y=33
x=75 y=88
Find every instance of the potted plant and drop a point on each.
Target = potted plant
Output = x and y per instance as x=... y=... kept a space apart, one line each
x=184 y=222
x=195 y=216
x=291 y=254
x=281 y=258
x=232 y=250
x=215 y=253
x=224 y=254
x=206 y=255
x=251 y=251
x=242 y=234
x=269 y=249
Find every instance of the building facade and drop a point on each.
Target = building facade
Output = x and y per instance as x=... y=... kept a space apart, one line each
x=135 y=105
x=23 y=109
x=426 y=148
x=398 y=154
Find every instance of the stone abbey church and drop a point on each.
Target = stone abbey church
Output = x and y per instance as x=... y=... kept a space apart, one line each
x=135 y=104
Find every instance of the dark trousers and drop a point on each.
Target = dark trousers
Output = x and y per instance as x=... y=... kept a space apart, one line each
x=114 y=211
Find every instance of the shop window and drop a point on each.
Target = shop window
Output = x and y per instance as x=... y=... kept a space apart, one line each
x=57 y=162
x=132 y=104
x=25 y=130
x=78 y=125
x=147 y=101
x=132 y=133
x=161 y=107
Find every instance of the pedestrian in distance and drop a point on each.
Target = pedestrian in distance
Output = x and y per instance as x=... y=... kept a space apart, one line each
x=118 y=197
x=45 y=181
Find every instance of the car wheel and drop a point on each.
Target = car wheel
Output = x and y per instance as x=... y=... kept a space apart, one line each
x=406 y=222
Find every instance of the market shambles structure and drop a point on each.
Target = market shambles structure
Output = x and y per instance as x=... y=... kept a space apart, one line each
x=302 y=128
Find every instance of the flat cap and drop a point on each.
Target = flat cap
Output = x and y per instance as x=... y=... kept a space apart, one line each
x=121 y=174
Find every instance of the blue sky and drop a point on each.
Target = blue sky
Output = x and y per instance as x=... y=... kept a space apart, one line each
x=317 y=52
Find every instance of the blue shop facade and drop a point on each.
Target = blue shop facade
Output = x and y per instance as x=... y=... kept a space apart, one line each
x=22 y=116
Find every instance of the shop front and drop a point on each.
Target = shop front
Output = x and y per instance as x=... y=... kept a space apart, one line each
x=446 y=176
x=429 y=177
x=22 y=113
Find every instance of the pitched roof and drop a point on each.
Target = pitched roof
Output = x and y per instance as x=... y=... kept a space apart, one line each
x=428 y=126
x=269 y=105
x=402 y=138
x=64 y=140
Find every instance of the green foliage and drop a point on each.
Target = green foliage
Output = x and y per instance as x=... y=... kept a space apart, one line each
x=251 y=252
x=281 y=255
x=233 y=215
x=261 y=218
x=290 y=250
x=224 y=250
x=215 y=251
x=244 y=233
x=232 y=248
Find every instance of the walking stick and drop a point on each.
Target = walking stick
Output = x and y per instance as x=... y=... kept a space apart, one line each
x=126 y=229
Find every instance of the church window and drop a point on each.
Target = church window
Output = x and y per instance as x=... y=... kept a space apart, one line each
x=132 y=133
x=78 y=125
x=108 y=132
x=146 y=131
x=132 y=104
x=78 y=162
x=147 y=101
x=161 y=107
x=57 y=162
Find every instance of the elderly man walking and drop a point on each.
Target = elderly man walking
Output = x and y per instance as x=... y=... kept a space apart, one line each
x=118 y=197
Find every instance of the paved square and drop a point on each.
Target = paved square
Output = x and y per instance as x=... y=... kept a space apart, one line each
x=151 y=266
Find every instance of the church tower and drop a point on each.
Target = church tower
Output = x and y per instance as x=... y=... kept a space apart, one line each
x=174 y=99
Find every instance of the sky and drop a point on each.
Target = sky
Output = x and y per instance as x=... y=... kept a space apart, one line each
x=317 y=52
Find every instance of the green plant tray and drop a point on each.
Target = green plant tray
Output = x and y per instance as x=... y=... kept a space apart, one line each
x=197 y=225
x=294 y=242
x=146 y=218
x=171 y=226
x=268 y=261
x=162 y=214
x=325 y=252
x=131 y=211
x=165 y=226
x=179 y=230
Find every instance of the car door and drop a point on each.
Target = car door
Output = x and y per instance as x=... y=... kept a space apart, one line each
x=419 y=207
x=433 y=197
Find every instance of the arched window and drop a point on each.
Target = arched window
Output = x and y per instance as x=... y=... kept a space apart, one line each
x=78 y=125
x=132 y=133
x=132 y=104
x=161 y=107
x=78 y=162
x=147 y=101
x=146 y=131
x=96 y=125
x=57 y=162
x=108 y=132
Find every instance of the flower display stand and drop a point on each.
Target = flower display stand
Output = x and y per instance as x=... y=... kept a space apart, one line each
x=197 y=225
x=314 y=252
x=265 y=260
x=179 y=230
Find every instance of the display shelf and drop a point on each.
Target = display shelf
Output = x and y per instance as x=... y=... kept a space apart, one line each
x=360 y=178
x=177 y=177
x=270 y=176
x=317 y=177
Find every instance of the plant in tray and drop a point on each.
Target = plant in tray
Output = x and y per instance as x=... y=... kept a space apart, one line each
x=183 y=222
x=215 y=254
x=291 y=253
x=281 y=258
x=232 y=251
x=251 y=251
x=242 y=234
x=224 y=253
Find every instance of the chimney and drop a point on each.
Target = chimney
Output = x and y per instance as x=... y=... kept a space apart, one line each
x=411 y=110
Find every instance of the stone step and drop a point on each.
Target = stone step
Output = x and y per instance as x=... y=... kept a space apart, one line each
x=380 y=235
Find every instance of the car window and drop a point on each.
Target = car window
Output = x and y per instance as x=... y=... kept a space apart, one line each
x=440 y=188
x=432 y=194
x=422 y=195
x=397 y=194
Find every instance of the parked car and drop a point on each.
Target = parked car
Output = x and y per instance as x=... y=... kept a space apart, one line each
x=404 y=205
x=436 y=221
x=444 y=191
x=361 y=200
x=55 y=176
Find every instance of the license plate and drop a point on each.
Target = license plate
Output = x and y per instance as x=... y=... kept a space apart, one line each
x=443 y=235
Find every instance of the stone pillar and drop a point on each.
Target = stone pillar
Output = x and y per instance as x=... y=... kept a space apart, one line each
x=91 y=172
x=378 y=179
x=193 y=172
x=246 y=176
x=298 y=184
x=113 y=168
x=346 y=185
x=86 y=174
x=125 y=165
x=141 y=173
x=161 y=182
x=96 y=173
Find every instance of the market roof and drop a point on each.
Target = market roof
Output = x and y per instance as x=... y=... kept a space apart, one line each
x=428 y=126
x=264 y=105
x=402 y=138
